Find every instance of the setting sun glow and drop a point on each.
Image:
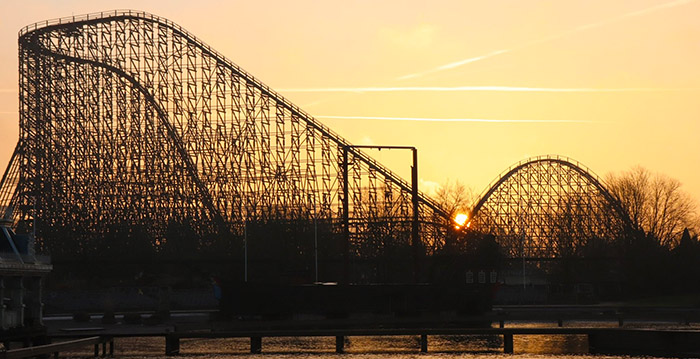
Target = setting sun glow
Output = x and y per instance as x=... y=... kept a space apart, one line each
x=461 y=219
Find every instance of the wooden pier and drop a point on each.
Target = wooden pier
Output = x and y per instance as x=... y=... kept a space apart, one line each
x=56 y=348
x=628 y=341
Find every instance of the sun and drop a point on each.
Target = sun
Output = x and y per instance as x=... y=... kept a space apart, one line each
x=461 y=219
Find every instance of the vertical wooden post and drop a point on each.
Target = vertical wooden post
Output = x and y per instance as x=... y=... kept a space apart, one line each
x=501 y=323
x=172 y=345
x=592 y=343
x=111 y=347
x=255 y=345
x=346 y=219
x=97 y=350
x=423 y=343
x=340 y=344
x=560 y=323
x=415 y=234
x=508 y=343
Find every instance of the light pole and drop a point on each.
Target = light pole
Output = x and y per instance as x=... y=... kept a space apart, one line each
x=415 y=236
x=245 y=250
x=314 y=215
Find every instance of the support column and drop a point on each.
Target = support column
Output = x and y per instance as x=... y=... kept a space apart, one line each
x=424 y=343
x=172 y=345
x=340 y=344
x=346 y=219
x=255 y=345
x=415 y=235
x=508 y=343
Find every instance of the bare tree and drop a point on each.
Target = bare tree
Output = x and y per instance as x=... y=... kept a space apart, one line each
x=655 y=203
x=455 y=197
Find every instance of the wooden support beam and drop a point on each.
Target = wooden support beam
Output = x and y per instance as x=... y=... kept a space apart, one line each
x=508 y=343
x=255 y=345
x=340 y=344
x=172 y=345
x=423 y=343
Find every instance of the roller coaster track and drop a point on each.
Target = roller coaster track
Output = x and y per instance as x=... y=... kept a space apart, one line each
x=131 y=126
x=547 y=206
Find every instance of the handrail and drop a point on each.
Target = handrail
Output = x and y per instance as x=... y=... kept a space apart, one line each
x=37 y=350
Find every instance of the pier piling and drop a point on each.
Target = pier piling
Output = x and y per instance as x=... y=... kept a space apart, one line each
x=340 y=344
x=172 y=345
x=508 y=343
x=255 y=345
x=423 y=343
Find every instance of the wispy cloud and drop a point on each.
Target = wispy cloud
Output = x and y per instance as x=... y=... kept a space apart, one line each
x=428 y=119
x=575 y=30
x=484 y=89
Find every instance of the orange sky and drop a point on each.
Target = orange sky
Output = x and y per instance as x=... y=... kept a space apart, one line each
x=610 y=84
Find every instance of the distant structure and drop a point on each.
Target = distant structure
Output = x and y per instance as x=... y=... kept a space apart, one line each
x=21 y=276
x=548 y=207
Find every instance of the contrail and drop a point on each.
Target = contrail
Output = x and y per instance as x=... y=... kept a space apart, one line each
x=483 y=89
x=423 y=119
x=453 y=65
x=550 y=38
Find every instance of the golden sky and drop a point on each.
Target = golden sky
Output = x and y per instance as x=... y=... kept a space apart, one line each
x=610 y=84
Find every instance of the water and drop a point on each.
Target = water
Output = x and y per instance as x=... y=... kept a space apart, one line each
x=397 y=347
x=376 y=347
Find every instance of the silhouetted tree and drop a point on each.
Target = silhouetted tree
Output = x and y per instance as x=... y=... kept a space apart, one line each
x=655 y=203
x=685 y=255
x=455 y=197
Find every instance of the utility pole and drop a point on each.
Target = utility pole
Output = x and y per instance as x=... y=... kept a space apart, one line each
x=346 y=220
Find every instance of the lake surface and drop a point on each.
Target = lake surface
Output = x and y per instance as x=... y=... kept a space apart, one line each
x=393 y=347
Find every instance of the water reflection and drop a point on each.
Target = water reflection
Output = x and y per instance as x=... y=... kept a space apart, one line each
x=446 y=347
x=375 y=347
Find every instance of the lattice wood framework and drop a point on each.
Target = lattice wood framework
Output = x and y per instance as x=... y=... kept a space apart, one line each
x=128 y=123
x=547 y=207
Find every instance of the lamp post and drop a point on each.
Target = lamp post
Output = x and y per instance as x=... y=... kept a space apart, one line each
x=415 y=236
x=245 y=250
